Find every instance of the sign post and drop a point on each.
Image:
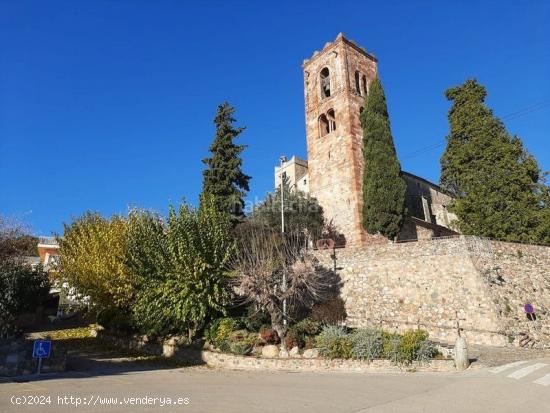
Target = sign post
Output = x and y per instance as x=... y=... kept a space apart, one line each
x=530 y=311
x=41 y=350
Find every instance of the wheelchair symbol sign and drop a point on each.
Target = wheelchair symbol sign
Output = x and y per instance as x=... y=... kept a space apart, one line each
x=41 y=349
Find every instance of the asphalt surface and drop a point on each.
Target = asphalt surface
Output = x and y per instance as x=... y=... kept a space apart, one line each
x=521 y=387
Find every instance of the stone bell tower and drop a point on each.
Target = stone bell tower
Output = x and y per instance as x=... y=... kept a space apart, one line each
x=336 y=81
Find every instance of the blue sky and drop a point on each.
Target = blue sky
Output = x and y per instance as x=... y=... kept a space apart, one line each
x=109 y=104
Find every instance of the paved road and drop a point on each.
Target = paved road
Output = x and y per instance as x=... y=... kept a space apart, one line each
x=517 y=387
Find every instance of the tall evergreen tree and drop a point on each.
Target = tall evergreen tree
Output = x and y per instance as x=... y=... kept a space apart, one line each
x=542 y=233
x=223 y=178
x=497 y=183
x=383 y=186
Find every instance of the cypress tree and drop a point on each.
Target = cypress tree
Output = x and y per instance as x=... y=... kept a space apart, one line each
x=495 y=180
x=223 y=178
x=383 y=186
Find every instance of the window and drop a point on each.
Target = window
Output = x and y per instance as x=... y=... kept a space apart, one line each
x=327 y=123
x=331 y=120
x=323 y=126
x=357 y=85
x=415 y=207
x=365 y=85
x=325 y=83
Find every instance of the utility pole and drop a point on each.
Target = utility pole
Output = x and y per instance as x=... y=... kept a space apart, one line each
x=283 y=175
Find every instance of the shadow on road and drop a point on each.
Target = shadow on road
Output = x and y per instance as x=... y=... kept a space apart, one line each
x=76 y=351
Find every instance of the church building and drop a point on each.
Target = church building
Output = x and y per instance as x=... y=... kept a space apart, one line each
x=336 y=81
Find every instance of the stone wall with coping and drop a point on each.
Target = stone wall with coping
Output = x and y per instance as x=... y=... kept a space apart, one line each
x=428 y=283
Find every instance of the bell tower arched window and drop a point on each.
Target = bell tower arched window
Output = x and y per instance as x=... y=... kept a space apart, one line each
x=325 y=83
x=327 y=123
x=357 y=84
x=365 y=85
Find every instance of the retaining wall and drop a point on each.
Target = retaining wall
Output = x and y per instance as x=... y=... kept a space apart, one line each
x=234 y=362
x=431 y=283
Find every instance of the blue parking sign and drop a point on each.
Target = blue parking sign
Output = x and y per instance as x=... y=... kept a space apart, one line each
x=41 y=349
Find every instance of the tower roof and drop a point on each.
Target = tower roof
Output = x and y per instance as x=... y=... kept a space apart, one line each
x=341 y=39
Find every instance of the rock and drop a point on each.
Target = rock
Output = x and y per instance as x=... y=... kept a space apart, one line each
x=168 y=350
x=257 y=351
x=283 y=353
x=96 y=330
x=311 y=353
x=270 y=351
x=172 y=341
x=294 y=352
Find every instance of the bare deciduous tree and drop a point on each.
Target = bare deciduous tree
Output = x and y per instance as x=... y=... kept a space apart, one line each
x=15 y=239
x=263 y=256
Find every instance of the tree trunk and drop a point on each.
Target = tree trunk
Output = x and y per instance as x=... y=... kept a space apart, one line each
x=278 y=326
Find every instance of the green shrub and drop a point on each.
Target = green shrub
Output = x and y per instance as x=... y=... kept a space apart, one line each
x=334 y=342
x=426 y=351
x=308 y=327
x=367 y=344
x=179 y=266
x=219 y=331
x=241 y=348
x=410 y=345
x=254 y=319
x=329 y=312
x=390 y=346
x=241 y=342
x=22 y=288
x=115 y=320
x=299 y=332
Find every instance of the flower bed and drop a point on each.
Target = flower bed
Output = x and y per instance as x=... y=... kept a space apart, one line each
x=304 y=361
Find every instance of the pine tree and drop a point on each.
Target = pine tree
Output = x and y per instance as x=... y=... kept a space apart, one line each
x=495 y=180
x=223 y=178
x=383 y=186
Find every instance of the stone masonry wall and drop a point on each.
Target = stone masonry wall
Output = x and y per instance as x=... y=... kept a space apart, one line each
x=514 y=275
x=427 y=283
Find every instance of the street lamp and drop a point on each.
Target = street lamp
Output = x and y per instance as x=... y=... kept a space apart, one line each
x=283 y=175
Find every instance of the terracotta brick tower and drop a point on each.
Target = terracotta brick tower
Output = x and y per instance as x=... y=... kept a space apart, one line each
x=335 y=84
